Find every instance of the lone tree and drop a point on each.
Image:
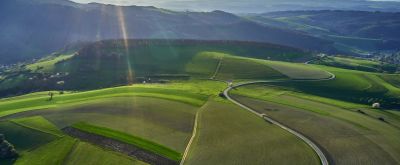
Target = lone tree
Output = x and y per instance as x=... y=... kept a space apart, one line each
x=51 y=94
x=7 y=150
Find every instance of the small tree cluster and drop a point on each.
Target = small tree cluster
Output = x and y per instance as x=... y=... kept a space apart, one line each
x=7 y=150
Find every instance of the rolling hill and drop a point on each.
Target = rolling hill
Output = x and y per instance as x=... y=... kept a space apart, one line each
x=362 y=30
x=31 y=29
x=110 y=63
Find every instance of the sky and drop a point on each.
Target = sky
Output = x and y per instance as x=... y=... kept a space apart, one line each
x=251 y=6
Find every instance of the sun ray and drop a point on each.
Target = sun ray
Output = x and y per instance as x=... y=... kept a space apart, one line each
x=125 y=37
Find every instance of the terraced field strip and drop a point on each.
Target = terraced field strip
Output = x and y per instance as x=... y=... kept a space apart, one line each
x=143 y=149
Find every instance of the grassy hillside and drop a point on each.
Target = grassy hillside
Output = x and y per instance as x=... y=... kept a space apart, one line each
x=46 y=65
x=11 y=106
x=367 y=65
x=52 y=153
x=349 y=132
x=130 y=139
x=348 y=136
x=40 y=124
x=86 y=153
x=169 y=122
x=109 y=62
x=353 y=32
x=229 y=67
x=230 y=135
x=23 y=138
x=352 y=86
x=38 y=141
x=112 y=63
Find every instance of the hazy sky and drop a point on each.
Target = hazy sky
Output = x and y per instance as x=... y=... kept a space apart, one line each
x=157 y=2
x=242 y=5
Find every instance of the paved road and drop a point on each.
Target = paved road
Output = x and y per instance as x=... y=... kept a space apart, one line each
x=321 y=155
x=318 y=151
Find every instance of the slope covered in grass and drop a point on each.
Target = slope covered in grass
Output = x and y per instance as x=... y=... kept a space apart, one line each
x=351 y=86
x=228 y=67
x=11 y=106
x=297 y=70
x=85 y=153
x=24 y=138
x=367 y=65
x=52 y=153
x=230 y=135
x=168 y=123
x=349 y=137
x=38 y=123
x=130 y=139
x=231 y=67
x=111 y=62
x=47 y=65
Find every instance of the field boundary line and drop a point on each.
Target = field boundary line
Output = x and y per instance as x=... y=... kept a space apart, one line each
x=217 y=68
x=68 y=157
x=37 y=129
x=195 y=128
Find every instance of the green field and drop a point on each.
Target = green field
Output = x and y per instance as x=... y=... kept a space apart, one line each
x=40 y=124
x=85 y=153
x=150 y=94
x=11 y=106
x=242 y=68
x=230 y=135
x=361 y=64
x=349 y=137
x=38 y=141
x=47 y=65
x=110 y=63
x=351 y=86
x=297 y=71
x=168 y=123
x=23 y=138
x=129 y=139
x=52 y=153
x=229 y=68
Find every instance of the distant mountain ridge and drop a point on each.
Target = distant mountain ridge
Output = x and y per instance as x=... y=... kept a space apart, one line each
x=35 y=28
x=260 y=6
x=367 y=31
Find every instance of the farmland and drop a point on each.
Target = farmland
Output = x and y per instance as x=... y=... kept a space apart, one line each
x=361 y=64
x=348 y=136
x=85 y=153
x=130 y=139
x=170 y=106
x=225 y=128
x=52 y=146
x=351 y=86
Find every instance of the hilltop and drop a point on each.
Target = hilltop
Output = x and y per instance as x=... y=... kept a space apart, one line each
x=32 y=29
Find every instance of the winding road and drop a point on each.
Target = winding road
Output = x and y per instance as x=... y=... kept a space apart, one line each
x=317 y=150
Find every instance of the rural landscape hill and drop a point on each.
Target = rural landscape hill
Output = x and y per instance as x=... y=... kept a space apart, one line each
x=366 y=31
x=100 y=84
x=51 y=25
x=164 y=100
